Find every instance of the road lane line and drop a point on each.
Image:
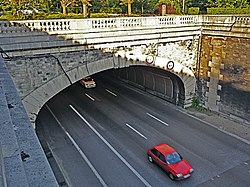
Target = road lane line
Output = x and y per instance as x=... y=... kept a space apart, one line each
x=56 y=158
x=136 y=131
x=111 y=92
x=79 y=150
x=111 y=148
x=90 y=97
x=157 y=119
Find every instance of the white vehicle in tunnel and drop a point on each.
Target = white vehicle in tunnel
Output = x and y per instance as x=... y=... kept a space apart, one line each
x=88 y=82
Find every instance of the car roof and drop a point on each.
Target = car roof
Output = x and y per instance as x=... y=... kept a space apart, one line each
x=164 y=149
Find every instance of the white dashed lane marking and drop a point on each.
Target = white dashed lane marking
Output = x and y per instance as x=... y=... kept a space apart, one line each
x=112 y=93
x=90 y=97
x=136 y=131
x=157 y=119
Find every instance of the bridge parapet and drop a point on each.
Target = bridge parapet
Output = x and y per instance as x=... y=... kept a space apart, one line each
x=102 y=33
x=97 y=24
x=22 y=160
x=59 y=26
x=73 y=34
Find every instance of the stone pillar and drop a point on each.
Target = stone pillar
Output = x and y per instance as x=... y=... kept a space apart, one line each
x=215 y=64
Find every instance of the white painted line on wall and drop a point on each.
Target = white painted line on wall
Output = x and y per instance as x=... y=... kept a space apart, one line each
x=79 y=150
x=90 y=97
x=136 y=131
x=111 y=92
x=111 y=148
x=157 y=119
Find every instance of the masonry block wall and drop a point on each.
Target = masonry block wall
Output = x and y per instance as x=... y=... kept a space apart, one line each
x=31 y=72
x=224 y=75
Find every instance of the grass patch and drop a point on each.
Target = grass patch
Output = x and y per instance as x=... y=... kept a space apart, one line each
x=197 y=106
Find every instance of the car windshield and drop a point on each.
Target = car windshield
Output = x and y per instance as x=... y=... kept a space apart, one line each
x=88 y=79
x=173 y=158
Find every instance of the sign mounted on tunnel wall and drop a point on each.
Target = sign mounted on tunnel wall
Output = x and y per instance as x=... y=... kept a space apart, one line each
x=149 y=59
x=170 y=65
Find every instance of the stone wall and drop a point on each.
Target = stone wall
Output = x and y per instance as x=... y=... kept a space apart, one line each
x=31 y=72
x=224 y=74
x=22 y=161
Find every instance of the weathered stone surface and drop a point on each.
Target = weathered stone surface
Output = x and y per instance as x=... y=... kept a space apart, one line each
x=233 y=67
x=18 y=137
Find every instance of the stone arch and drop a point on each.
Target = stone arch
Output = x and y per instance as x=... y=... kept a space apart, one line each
x=34 y=101
x=36 y=98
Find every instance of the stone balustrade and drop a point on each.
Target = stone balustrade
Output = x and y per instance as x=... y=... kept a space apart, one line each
x=110 y=33
x=56 y=26
x=60 y=26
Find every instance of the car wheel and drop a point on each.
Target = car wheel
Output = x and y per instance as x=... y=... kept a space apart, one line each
x=171 y=176
x=150 y=159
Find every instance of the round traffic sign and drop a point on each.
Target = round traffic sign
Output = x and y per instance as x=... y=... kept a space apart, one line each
x=170 y=65
x=149 y=59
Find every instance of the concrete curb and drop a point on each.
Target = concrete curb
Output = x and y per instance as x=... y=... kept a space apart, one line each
x=216 y=127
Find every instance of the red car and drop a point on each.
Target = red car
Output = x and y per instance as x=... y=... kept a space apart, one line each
x=171 y=161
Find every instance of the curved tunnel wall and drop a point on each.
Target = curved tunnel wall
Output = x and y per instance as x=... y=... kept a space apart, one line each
x=156 y=81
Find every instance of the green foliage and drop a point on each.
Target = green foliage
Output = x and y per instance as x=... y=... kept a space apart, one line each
x=229 y=3
x=105 y=8
x=42 y=16
x=193 y=10
x=111 y=10
x=144 y=6
x=228 y=11
x=196 y=104
x=99 y=15
x=64 y=16
x=38 y=16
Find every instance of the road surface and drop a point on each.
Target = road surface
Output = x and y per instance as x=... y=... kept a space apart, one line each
x=99 y=137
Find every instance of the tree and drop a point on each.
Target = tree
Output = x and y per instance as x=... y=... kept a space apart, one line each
x=142 y=2
x=111 y=6
x=176 y=3
x=229 y=3
x=144 y=6
x=202 y=4
x=65 y=4
x=85 y=5
x=129 y=4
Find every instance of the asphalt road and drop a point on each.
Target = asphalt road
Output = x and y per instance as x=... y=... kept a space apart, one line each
x=99 y=137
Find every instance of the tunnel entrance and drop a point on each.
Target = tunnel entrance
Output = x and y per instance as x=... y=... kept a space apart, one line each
x=155 y=81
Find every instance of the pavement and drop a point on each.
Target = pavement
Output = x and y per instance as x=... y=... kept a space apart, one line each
x=237 y=128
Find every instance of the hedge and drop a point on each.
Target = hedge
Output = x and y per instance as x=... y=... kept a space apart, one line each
x=193 y=10
x=228 y=10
